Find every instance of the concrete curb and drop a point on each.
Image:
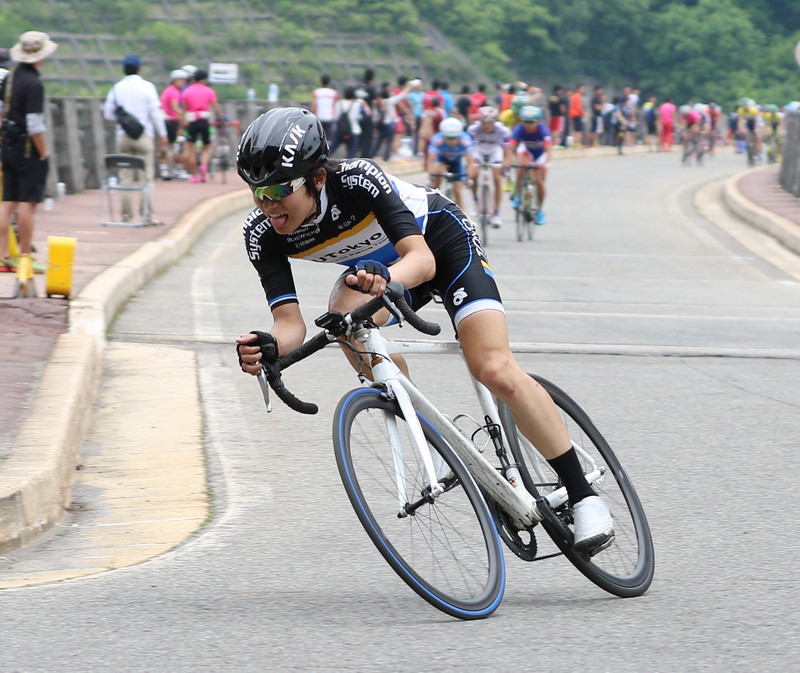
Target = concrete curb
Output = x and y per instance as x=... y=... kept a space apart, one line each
x=36 y=481
x=781 y=229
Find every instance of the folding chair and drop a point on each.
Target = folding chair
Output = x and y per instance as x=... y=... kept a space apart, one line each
x=134 y=181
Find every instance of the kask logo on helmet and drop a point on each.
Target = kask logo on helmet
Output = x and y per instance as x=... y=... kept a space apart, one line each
x=289 y=149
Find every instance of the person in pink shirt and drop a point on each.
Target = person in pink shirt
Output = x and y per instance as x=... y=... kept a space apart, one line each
x=198 y=102
x=171 y=106
x=666 y=116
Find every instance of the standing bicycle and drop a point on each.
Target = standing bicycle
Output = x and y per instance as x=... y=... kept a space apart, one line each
x=491 y=152
x=380 y=228
x=532 y=145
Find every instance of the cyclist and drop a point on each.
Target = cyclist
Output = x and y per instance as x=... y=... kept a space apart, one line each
x=380 y=228
x=510 y=117
x=748 y=121
x=531 y=142
x=491 y=147
x=448 y=151
x=772 y=121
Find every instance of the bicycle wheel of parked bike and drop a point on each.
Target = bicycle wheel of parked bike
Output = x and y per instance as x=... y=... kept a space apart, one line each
x=626 y=567
x=446 y=548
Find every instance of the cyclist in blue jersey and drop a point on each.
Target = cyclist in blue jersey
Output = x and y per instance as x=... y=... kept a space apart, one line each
x=491 y=147
x=532 y=143
x=450 y=151
x=381 y=228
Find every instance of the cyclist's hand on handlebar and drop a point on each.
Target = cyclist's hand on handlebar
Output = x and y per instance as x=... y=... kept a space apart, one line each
x=370 y=277
x=252 y=347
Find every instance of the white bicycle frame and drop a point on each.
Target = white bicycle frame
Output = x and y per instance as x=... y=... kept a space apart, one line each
x=486 y=178
x=508 y=491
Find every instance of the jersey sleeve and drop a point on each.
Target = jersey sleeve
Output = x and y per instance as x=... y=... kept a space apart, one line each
x=272 y=265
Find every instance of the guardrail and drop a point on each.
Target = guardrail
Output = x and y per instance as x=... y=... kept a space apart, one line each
x=790 y=164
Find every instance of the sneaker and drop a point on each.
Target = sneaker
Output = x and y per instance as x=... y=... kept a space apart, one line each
x=594 y=526
x=194 y=179
x=515 y=202
x=473 y=211
x=5 y=265
x=540 y=218
x=496 y=221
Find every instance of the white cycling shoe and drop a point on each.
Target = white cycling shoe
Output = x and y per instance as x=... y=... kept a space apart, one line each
x=594 y=526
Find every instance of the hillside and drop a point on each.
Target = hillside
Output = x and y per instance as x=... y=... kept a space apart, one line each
x=289 y=43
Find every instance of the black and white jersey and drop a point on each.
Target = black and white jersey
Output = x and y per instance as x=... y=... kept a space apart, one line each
x=364 y=212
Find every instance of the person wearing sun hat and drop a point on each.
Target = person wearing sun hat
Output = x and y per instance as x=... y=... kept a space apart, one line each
x=24 y=151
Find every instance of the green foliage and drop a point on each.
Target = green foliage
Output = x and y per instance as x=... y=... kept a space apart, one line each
x=700 y=49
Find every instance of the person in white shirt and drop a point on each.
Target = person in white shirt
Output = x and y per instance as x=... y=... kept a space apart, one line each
x=139 y=98
x=323 y=104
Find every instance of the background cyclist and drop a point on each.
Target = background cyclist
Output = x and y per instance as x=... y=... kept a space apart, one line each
x=532 y=144
x=748 y=121
x=450 y=151
x=378 y=228
x=491 y=147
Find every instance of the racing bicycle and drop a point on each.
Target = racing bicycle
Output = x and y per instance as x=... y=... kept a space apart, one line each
x=486 y=199
x=438 y=495
x=527 y=210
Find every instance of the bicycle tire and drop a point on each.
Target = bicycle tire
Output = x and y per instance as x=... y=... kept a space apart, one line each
x=483 y=207
x=448 y=551
x=519 y=218
x=625 y=568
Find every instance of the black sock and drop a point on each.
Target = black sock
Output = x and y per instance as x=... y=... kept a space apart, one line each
x=569 y=470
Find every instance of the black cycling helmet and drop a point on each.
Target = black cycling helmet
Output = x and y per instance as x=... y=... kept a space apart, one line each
x=281 y=145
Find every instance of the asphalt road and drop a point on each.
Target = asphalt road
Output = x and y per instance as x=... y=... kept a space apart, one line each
x=679 y=341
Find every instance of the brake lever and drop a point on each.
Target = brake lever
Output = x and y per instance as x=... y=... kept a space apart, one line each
x=262 y=381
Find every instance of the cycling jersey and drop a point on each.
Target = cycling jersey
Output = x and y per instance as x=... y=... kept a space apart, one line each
x=363 y=213
x=535 y=142
x=749 y=114
x=489 y=144
x=447 y=153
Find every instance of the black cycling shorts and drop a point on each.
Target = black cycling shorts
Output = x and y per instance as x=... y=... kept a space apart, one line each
x=199 y=128
x=463 y=280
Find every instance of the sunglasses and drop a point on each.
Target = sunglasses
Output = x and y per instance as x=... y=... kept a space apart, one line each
x=279 y=191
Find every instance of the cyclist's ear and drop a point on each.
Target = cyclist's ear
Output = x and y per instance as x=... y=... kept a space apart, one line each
x=319 y=177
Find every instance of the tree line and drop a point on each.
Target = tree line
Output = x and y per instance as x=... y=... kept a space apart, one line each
x=706 y=50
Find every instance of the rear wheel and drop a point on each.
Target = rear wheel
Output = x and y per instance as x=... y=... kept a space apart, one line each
x=626 y=567
x=444 y=547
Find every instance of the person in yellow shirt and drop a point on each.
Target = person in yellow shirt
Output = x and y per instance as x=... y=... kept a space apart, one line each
x=748 y=122
x=772 y=118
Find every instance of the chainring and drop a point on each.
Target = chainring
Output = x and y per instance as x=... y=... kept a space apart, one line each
x=514 y=539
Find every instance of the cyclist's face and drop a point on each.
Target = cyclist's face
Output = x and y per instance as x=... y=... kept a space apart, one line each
x=289 y=213
x=531 y=126
x=451 y=141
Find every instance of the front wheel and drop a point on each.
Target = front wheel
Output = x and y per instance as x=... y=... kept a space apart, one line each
x=625 y=568
x=444 y=547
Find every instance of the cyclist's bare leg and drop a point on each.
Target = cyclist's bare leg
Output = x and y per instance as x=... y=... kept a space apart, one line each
x=539 y=175
x=436 y=180
x=497 y=174
x=457 y=193
x=484 y=342
x=472 y=178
